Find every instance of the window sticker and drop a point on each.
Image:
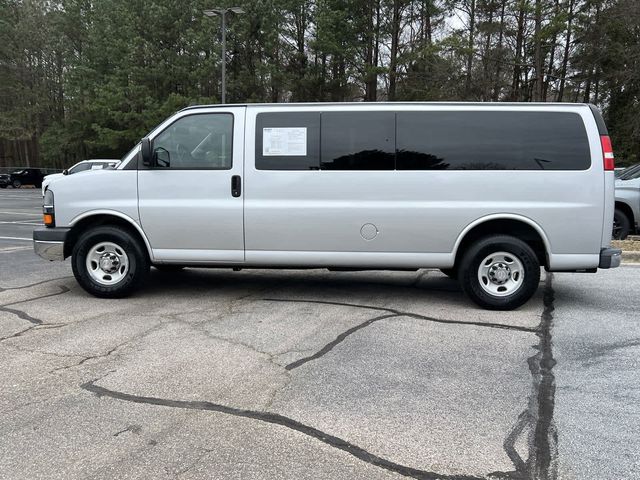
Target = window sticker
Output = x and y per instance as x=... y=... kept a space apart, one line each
x=281 y=142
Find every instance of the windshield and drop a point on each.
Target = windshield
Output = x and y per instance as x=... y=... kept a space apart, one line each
x=80 y=167
x=633 y=175
x=630 y=172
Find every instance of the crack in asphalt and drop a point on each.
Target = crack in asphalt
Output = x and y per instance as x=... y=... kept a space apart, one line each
x=546 y=435
x=42 y=326
x=541 y=462
x=4 y=289
x=277 y=419
x=392 y=313
x=90 y=357
x=537 y=419
x=131 y=428
x=540 y=465
x=36 y=323
x=339 y=339
x=114 y=349
x=417 y=316
x=42 y=352
x=25 y=316
x=270 y=357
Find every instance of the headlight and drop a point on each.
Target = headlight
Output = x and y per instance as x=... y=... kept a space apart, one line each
x=48 y=215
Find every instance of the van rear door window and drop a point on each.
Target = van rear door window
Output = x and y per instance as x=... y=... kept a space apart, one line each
x=358 y=141
x=491 y=141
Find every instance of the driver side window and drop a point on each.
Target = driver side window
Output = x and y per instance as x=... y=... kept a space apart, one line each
x=196 y=142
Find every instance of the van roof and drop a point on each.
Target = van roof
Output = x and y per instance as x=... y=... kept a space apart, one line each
x=602 y=128
x=308 y=104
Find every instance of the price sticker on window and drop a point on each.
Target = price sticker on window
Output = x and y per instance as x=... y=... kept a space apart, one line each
x=284 y=142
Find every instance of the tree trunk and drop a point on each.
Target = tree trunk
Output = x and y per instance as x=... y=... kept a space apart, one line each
x=486 y=82
x=517 y=69
x=496 y=85
x=428 y=29
x=539 y=82
x=472 y=31
x=371 y=78
x=395 y=40
x=567 y=48
x=552 y=55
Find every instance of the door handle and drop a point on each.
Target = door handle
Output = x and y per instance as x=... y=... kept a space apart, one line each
x=236 y=186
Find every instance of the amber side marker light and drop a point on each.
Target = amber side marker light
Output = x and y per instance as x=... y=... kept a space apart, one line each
x=48 y=215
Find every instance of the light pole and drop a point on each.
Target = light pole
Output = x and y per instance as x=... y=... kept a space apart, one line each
x=222 y=12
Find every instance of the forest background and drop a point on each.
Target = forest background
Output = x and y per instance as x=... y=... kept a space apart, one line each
x=88 y=78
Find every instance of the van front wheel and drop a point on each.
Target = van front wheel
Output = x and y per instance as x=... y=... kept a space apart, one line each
x=499 y=272
x=109 y=262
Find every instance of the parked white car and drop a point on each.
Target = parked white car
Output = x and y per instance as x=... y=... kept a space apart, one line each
x=626 y=219
x=487 y=192
x=80 y=167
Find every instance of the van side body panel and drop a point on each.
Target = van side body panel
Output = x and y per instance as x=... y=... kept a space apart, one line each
x=304 y=217
x=96 y=192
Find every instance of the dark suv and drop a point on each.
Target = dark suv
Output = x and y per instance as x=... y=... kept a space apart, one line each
x=25 y=176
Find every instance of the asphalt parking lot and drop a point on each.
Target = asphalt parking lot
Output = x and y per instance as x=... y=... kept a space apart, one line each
x=311 y=374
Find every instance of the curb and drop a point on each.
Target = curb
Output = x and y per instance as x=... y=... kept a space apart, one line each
x=630 y=256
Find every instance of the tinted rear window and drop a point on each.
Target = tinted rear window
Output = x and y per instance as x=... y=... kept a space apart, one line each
x=491 y=141
x=358 y=141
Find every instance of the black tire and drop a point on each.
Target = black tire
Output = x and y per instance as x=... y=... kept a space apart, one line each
x=470 y=265
x=16 y=184
x=3 y=186
x=38 y=185
x=137 y=257
x=621 y=225
x=450 y=272
x=169 y=268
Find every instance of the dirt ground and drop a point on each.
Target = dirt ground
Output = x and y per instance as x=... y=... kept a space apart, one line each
x=632 y=245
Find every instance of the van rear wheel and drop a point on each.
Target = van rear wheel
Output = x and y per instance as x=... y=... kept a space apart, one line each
x=109 y=262
x=499 y=272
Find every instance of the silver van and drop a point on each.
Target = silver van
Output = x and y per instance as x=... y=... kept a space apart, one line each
x=488 y=193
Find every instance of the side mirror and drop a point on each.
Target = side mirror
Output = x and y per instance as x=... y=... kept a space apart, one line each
x=162 y=157
x=145 y=151
x=65 y=172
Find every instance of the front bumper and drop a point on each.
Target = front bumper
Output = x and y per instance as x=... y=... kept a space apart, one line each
x=49 y=242
x=610 y=258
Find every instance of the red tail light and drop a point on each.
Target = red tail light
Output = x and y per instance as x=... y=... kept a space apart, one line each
x=607 y=152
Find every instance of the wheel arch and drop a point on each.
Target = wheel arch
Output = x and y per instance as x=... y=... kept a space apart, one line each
x=104 y=217
x=518 y=226
x=628 y=211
